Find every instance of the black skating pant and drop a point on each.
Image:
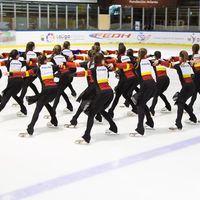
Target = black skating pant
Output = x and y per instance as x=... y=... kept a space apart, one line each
x=47 y=95
x=186 y=92
x=28 y=82
x=161 y=86
x=146 y=92
x=124 y=88
x=64 y=82
x=98 y=105
x=197 y=85
x=13 y=88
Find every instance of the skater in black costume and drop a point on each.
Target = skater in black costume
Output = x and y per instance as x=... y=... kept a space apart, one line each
x=103 y=97
x=64 y=78
x=145 y=93
x=45 y=72
x=195 y=61
x=31 y=58
x=162 y=83
x=128 y=80
x=185 y=74
x=70 y=57
x=88 y=94
x=14 y=83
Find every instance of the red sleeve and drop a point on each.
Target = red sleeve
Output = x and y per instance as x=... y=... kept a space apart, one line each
x=47 y=52
x=123 y=65
x=175 y=59
x=108 y=61
x=111 y=52
x=83 y=73
x=5 y=55
x=166 y=64
x=80 y=57
x=32 y=62
x=2 y=63
x=72 y=65
x=23 y=74
x=84 y=51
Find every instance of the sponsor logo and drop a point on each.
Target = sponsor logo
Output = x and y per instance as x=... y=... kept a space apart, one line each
x=53 y=37
x=110 y=35
x=141 y=37
x=193 y=38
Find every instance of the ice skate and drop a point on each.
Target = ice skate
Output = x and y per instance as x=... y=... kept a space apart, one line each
x=69 y=125
x=50 y=125
x=164 y=110
x=135 y=134
x=188 y=121
x=67 y=110
x=15 y=105
x=21 y=114
x=131 y=113
x=110 y=132
x=174 y=128
x=81 y=141
x=47 y=116
x=24 y=135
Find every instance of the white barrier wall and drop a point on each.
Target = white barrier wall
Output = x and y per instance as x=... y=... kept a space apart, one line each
x=58 y=37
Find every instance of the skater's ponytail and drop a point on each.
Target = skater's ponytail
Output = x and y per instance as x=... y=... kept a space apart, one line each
x=157 y=55
x=91 y=54
x=66 y=45
x=57 y=50
x=13 y=54
x=42 y=60
x=30 y=46
x=184 y=55
x=195 y=48
x=141 y=55
x=98 y=59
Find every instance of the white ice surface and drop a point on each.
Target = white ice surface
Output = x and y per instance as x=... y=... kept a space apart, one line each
x=51 y=153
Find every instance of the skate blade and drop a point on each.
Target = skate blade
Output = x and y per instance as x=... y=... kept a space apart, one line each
x=67 y=111
x=69 y=126
x=81 y=141
x=135 y=134
x=50 y=125
x=109 y=132
x=20 y=114
x=15 y=105
x=47 y=117
x=24 y=135
x=191 y=122
x=173 y=128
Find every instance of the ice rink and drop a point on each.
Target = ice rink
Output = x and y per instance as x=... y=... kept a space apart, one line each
x=161 y=165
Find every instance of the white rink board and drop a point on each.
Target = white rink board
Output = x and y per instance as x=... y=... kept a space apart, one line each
x=52 y=37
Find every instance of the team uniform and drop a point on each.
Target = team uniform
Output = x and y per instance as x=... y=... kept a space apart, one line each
x=145 y=93
x=64 y=80
x=31 y=58
x=49 y=90
x=14 y=85
x=196 y=70
x=103 y=97
x=185 y=73
x=162 y=83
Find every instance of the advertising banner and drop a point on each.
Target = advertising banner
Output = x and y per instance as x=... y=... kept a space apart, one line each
x=84 y=37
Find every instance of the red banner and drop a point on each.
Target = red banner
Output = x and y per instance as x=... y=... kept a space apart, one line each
x=146 y=3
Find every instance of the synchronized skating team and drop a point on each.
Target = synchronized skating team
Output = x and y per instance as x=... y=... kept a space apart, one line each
x=140 y=78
